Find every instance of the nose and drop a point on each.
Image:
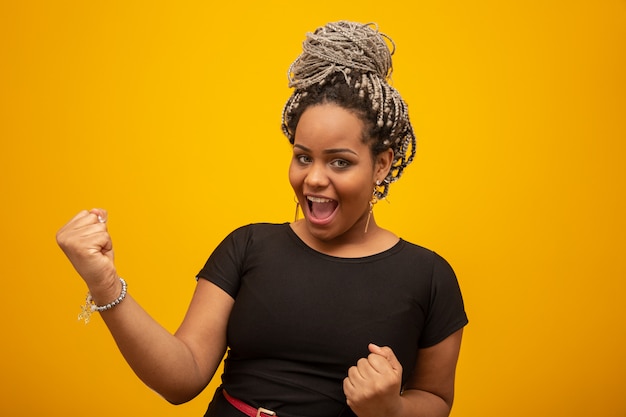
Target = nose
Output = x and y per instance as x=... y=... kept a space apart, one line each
x=316 y=176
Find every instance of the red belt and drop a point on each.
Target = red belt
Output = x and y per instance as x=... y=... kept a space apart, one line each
x=247 y=409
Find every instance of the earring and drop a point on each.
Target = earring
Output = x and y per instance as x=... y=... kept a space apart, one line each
x=295 y=217
x=372 y=201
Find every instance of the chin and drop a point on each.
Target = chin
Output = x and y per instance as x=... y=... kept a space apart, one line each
x=322 y=233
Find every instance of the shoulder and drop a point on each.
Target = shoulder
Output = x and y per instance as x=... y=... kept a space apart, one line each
x=254 y=233
x=436 y=263
x=253 y=230
x=414 y=249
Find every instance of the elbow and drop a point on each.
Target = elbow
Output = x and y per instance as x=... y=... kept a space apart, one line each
x=177 y=401
x=177 y=396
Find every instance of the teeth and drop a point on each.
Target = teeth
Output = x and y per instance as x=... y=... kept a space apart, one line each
x=319 y=199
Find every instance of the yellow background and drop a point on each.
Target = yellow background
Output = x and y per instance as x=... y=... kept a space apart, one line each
x=168 y=115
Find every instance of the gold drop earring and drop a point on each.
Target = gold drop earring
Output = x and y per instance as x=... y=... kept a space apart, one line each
x=295 y=217
x=372 y=201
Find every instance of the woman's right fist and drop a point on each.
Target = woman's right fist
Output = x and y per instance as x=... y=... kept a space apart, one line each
x=86 y=242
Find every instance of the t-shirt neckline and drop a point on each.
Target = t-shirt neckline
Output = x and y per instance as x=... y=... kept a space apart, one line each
x=375 y=256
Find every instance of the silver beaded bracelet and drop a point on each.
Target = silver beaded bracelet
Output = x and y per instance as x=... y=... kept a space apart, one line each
x=90 y=306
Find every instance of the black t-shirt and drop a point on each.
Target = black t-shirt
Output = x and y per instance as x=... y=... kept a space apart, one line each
x=301 y=318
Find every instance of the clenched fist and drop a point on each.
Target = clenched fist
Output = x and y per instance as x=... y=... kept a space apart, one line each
x=87 y=244
x=372 y=387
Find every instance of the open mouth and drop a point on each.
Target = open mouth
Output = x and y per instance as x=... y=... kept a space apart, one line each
x=321 y=208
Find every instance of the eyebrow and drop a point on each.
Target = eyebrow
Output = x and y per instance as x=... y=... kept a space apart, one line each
x=328 y=151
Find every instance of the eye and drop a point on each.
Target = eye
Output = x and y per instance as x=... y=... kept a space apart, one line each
x=340 y=163
x=303 y=159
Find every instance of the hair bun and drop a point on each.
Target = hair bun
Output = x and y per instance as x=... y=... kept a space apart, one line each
x=341 y=47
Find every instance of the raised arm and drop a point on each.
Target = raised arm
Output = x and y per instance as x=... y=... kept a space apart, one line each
x=176 y=366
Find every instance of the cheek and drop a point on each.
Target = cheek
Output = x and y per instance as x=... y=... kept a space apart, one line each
x=357 y=192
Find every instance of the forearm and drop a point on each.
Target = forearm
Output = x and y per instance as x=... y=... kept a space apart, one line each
x=417 y=403
x=161 y=360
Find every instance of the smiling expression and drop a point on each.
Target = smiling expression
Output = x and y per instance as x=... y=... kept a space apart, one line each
x=333 y=173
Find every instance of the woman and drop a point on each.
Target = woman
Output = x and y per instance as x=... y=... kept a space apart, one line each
x=329 y=315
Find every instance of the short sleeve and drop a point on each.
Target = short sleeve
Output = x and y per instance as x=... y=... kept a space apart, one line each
x=225 y=264
x=446 y=313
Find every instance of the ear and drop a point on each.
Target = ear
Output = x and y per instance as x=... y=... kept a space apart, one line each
x=382 y=164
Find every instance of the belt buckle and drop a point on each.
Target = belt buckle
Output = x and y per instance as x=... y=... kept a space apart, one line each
x=265 y=411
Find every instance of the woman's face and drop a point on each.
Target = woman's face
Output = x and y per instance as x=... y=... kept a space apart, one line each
x=332 y=171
